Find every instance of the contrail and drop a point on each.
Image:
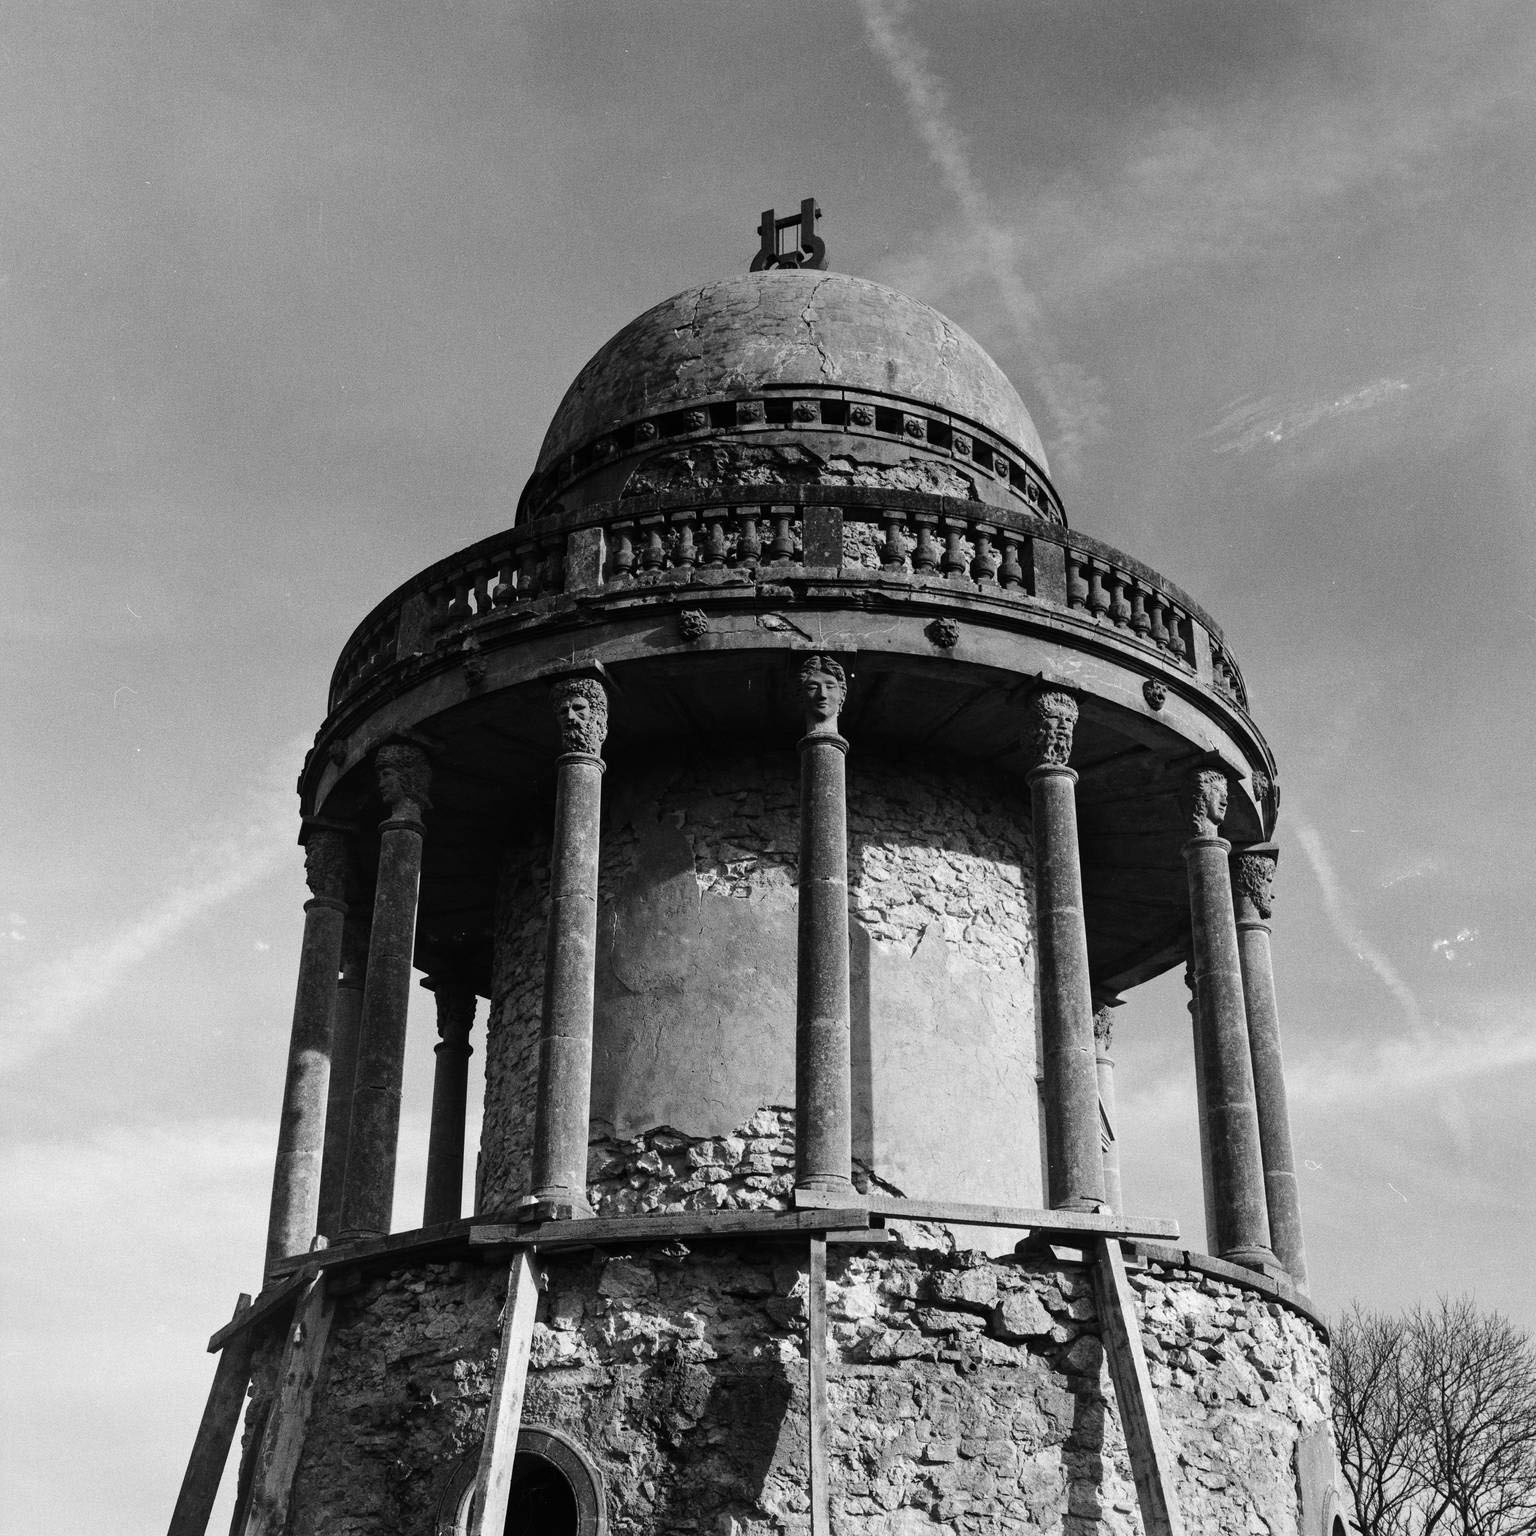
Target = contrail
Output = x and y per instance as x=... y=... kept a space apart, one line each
x=1068 y=394
x=53 y=996
x=1349 y=932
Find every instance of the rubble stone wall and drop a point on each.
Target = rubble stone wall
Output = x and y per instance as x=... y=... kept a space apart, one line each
x=694 y=1032
x=966 y=1395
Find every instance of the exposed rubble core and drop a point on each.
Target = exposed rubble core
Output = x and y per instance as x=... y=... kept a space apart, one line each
x=967 y=1396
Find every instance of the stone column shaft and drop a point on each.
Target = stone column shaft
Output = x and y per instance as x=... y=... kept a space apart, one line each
x=450 y=1092
x=563 y=1110
x=1253 y=872
x=1108 y=1141
x=346 y=1024
x=823 y=1075
x=294 y=1217
x=1235 y=1166
x=1074 y=1160
x=369 y=1187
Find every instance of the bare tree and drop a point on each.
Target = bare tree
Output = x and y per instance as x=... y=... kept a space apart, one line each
x=1435 y=1416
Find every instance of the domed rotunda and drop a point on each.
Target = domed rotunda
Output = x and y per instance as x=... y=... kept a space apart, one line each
x=802 y=796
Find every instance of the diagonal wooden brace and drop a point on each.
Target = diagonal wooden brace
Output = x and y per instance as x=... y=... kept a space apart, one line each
x=282 y=1441
x=1151 y=1460
x=216 y=1432
x=504 y=1417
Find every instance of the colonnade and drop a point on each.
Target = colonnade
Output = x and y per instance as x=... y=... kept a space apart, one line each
x=337 y=1148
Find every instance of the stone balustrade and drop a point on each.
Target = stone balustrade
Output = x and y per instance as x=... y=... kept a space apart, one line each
x=776 y=533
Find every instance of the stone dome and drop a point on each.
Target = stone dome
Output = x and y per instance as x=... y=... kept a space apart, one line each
x=819 y=357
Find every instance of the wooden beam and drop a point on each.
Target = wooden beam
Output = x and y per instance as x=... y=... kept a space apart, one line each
x=1042 y=1221
x=591 y=1231
x=816 y=1356
x=1151 y=1460
x=271 y=1300
x=282 y=1441
x=504 y=1416
x=215 y=1434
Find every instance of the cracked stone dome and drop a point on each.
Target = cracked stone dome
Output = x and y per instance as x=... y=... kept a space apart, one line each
x=793 y=377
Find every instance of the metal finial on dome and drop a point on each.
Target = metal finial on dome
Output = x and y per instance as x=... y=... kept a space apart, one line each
x=809 y=250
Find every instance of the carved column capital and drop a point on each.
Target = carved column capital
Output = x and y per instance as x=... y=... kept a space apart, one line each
x=325 y=864
x=455 y=1010
x=1103 y=1027
x=1203 y=802
x=1049 y=719
x=1253 y=879
x=404 y=773
x=823 y=693
x=581 y=713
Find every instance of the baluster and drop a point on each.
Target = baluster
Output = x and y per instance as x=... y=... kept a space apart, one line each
x=782 y=549
x=528 y=572
x=893 y=553
x=621 y=550
x=925 y=555
x=954 y=556
x=1077 y=585
x=1119 y=606
x=1157 y=609
x=714 y=538
x=456 y=610
x=1011 y=573
x=1176 y=642
x=684 y=554
x=1098 y=598
x=655 y=556
x=1139 y=620
x=983 y=562
x=749 y=542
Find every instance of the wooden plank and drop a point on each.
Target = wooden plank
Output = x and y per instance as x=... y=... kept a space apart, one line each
x=816 y=1355
x=1046 y=1222
x=269 y=1301
x=215 y=1433
x=441 y=1234
x=282 y=1441
x=504 y=1416
x=1151 y=1460
x=592 y=1231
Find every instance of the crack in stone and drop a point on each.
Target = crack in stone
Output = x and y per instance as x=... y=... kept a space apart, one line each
x=828 y=369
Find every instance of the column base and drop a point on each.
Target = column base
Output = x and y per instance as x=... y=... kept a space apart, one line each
x=555 y=1204
x=826 y=1192
x=1261 y=1259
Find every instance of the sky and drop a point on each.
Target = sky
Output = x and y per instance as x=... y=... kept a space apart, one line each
x=290 y=293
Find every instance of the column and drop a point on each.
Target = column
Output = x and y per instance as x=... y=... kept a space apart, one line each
x=294 y=1218
x=346 y=1023
x=404 y=774
x=1208 y=1209
x=570 y=959
x=1253 y=875
x=1234 y=1166
x=450 y=1090
x=823 y=1072
x=1074 y=1164
x=1109 y=1145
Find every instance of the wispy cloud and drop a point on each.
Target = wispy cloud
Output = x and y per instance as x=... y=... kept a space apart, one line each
x=52 y=996
x=1070 y=396
x=1250 y=424
x=1336 y=907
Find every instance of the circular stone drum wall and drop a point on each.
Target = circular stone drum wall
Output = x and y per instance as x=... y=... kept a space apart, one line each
x=693 y=1072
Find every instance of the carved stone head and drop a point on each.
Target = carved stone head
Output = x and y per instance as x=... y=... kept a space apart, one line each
x=1049 y=719
x=823 y=691
x=404 y=773
x=325 y=864
x=1205 y=801
x=1253 y=883
x=581 y=712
